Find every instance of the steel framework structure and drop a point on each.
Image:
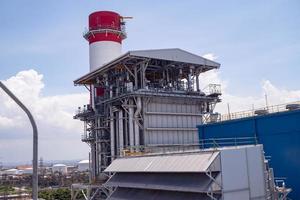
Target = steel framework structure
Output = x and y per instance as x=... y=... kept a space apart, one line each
x=144 y=98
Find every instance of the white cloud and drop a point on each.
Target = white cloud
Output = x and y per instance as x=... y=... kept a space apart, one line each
x=54 y=116
x=275 y=95
x=59 y=133
x=210 y=56
x=6 y=122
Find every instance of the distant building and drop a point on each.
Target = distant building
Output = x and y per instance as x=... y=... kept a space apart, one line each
x=61 y=168
x=83 y=165
x=25 y=169
x=10 y=172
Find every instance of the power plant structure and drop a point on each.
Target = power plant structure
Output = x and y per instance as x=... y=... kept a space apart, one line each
x=142 y=103
x=140 y=98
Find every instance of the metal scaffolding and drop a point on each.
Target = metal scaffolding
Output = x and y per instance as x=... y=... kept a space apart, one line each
x=144 y=98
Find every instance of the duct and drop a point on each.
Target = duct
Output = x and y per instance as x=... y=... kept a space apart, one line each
x=190 y=88
x=92 y=96
x=197 y=83
x=112 y=134
x=111 y=91
x=121 y=132
x=136 y=123
x=126 y=136
x=130 y=121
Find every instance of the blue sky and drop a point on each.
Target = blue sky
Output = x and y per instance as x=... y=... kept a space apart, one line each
x=257 y=43
x=253 y=40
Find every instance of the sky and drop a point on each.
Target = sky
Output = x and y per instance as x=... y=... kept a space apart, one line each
x=42 y=51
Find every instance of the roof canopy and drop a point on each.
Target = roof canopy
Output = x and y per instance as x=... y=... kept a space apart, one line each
x=192 y=162
x=171 y=56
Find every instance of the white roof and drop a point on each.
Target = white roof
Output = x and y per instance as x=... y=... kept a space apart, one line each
x=59 y=165
x=175 y=54
x=84 y=162
x=11 y=170
x=192 y=162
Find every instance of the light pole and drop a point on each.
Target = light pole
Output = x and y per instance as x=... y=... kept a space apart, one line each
x=35 y=141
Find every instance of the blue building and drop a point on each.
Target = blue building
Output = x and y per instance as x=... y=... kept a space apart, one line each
x=278 y=132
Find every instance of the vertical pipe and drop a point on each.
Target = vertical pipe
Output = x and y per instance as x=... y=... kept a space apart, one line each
x=197 y=83
x=94 y=161
x=121 y=132
x=35 y=141
x=90 y=168
x=130 y=121
x=92 y=96
x=228 y=110
x=126 y=142
x=267 y=103
x=117 y=132
x=136 y=125
x=135 y=78
x=112 y=134
x=190 y=88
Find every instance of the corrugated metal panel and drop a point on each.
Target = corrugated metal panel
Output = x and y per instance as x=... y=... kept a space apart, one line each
x=183 y=182
x=177 y=55
x=194 y=162
x=166 y=122
x=137 y=194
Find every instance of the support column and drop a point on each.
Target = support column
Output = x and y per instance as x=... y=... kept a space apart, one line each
x=130 y=122
x=197 y=83
x=136 y=123
x=121 y=132
x=112 y=134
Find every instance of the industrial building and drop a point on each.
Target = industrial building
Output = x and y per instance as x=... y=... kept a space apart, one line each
x=83 y=165
x=277 y=129
x=141 y=124
x=60 y=168
x=238 y=172
x=140 y=98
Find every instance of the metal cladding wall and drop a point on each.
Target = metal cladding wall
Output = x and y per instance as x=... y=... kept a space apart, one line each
x=280 y=135
x=169 y=121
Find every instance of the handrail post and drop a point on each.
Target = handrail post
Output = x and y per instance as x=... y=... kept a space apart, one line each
x=35 y=141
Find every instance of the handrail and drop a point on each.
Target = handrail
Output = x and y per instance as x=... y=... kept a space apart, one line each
x=254 y=112
x=203 y=144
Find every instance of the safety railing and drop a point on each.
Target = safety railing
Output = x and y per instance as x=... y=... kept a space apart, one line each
x=204 y=144
x=85 y=109
x=258 y=111
x=212 y=89
x=105 y=28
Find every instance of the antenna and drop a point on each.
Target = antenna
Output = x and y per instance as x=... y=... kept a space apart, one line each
x=266 y=98
x=228 y=109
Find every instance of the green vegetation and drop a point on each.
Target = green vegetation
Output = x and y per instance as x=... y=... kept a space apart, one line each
x=57 y=194
x=5 y=190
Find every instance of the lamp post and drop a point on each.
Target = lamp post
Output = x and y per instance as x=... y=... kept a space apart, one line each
x=35 y=141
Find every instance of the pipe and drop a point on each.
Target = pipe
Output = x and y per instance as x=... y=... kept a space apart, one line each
x=92 y=96
x=94 y=161
x=136 y=118
x=197 y=83
x=35 y=141
x=190 y=79
x=130 y=121
x=112 y=134
x=121 y=132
